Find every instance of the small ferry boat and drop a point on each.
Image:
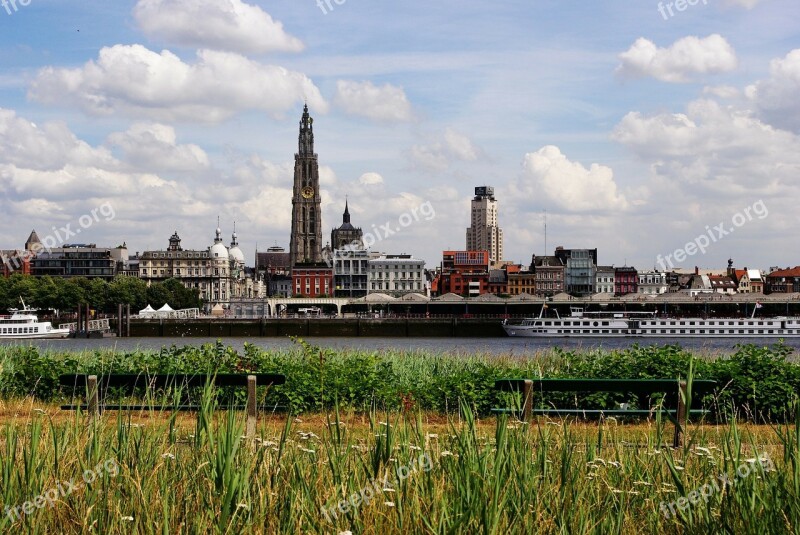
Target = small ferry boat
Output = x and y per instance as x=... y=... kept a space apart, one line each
x=647 y=324
x=25 y=323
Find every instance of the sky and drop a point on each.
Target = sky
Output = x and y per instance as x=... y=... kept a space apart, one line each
x=665 y=134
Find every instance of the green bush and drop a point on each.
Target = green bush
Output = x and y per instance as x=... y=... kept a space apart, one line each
x=757 y=383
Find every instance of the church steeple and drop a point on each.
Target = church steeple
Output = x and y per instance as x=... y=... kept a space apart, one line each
x=306 y=139
x=346 y=215
x=305 y=244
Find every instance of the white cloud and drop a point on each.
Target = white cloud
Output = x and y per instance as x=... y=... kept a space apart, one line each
x=776 y=98
x=571 y=186
x=154 y=145
x=387 y=103
x=678 y=63
x=448 y=147
x=45 y=148
x=135 y=81
x=748 y=4
x=370 y=179
x=722 y=91
x=218 y=24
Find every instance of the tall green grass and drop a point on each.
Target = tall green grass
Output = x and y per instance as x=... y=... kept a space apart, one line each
x=513 y=477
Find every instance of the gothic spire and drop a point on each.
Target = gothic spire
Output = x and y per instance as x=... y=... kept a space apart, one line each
x=346 y=215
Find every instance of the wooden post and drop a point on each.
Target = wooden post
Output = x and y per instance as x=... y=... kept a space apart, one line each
x=119 y=320
x=251 y=406
x=127 y=320
x=680 y=417
x=92 y=396
x=527 y=400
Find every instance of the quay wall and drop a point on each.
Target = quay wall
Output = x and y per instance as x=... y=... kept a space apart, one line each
x=316 y=327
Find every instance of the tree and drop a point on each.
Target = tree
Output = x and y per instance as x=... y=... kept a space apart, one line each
x=128 y=291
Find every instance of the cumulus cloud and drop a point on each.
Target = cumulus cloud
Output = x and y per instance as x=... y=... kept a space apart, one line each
x=370 y=179
x=45 y=148
x=714 y=149
x=218 y=24
x=387 y=103
x=571 y=186
x=136 y=81
x=776 y=98
x=678 y=63
x=438 y=155
x=155 y=145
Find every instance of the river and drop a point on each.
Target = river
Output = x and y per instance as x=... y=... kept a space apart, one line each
x=462 y=346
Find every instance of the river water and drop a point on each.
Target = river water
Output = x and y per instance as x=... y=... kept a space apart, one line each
x=462 y=346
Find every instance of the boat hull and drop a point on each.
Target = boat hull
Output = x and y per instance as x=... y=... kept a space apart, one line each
x=655 y=328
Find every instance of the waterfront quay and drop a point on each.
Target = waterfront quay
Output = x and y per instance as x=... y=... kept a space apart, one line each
x=477 y=317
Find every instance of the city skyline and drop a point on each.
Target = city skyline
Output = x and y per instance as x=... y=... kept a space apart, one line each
x=638 y=133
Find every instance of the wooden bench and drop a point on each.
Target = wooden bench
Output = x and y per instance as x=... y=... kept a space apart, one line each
x=674 y=405
x=97 y=388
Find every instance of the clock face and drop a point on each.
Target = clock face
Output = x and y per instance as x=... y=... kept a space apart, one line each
x=307 y=192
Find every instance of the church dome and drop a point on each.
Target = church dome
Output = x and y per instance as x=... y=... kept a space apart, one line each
x=236 y=254
x=218 y=250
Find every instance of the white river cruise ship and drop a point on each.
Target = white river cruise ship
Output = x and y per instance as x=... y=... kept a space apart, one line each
x=646 y=324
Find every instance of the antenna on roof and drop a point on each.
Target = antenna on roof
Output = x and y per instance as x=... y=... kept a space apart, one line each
x=545 y=232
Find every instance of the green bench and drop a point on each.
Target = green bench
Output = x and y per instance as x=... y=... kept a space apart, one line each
x=673 y=406
x=96 y=389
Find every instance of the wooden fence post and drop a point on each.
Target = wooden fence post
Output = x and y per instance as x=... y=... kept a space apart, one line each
x=251 y=406
x=680 y=417
x=92 y=396
x=527 y=400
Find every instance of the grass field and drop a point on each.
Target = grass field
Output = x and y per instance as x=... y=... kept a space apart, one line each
x=388 y=473
x=394 y=443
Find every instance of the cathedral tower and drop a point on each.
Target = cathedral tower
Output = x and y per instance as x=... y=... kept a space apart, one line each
x=306 y=241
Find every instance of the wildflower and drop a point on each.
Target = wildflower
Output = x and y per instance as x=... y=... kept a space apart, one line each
x=242 y=506
x=388 y=504
x=433 y=435
x=415 y=448
x=168 y=456
x=705 y=451
x=446 y=453
x=388 y=490
x=307 y=450
x=348 y=532
x=127 y=518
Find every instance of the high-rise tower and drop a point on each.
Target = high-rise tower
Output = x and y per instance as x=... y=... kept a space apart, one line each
x=306 y=241
x=484 y=234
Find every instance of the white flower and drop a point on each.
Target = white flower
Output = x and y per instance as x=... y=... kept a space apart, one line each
x=433 y=435
x=388 y=504
x=242 y=506
x=446 y=453
x=348 y=532
x=168 y=456
x=127 y=518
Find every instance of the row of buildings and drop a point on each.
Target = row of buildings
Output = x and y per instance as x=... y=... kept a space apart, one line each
x=343 y=267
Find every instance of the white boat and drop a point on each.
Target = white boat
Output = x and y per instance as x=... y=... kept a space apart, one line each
x=647 y=324
x=25 y=323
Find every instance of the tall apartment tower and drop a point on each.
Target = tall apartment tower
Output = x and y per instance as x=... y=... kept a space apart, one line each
x=484 y=234
x=305 y=245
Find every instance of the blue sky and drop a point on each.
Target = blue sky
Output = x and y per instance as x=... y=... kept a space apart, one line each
x=633 y=131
